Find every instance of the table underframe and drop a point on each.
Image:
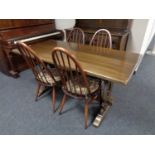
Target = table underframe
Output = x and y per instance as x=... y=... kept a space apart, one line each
x=106 y=91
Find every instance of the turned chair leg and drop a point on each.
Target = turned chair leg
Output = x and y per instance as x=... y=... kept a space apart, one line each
x=53 y=98
x=37 y=91
x=62 y=103
x=86 y=113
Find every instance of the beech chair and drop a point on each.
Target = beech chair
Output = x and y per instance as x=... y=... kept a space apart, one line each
x=45 y=77
x=74 y=80
x=76 y=35
x=101 y=38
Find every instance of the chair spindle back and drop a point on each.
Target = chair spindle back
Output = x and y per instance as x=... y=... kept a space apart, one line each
x=76 y=35
x=102 y=38
x=72 y=75
x=38 y=67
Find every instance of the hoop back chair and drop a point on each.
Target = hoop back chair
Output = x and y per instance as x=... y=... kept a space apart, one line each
x=74 y=80
x=101 y=38
x=44 y=76
x=76 y=35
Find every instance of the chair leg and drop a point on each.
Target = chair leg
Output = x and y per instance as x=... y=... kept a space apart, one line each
x=92 y=99
x=62 y=103
x=86 y=113
x=37 y=91
x=53 y=98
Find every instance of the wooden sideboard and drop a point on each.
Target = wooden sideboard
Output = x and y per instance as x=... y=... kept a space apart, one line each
x=119 y=28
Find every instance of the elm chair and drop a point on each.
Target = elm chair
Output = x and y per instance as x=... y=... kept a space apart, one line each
x=76 y=35
x=45 y=77
x=74 y=80
x=101 y=38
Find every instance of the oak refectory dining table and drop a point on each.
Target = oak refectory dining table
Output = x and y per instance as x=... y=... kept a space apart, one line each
x=109 y=65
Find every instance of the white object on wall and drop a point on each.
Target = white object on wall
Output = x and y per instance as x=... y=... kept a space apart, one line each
x=62 y=24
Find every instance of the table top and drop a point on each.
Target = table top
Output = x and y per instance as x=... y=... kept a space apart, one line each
x=113 y=65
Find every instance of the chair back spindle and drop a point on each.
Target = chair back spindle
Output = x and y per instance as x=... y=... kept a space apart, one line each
x=102 y=38
x=73 y=77
x=38 y=67
x=76 y=35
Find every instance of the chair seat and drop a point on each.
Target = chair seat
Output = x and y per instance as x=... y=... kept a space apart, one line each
x=45 y=77
x=74 y=87
x=55 y=73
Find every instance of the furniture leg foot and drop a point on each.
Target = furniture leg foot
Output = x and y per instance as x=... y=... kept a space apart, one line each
x=106 y=103
x=99 y=118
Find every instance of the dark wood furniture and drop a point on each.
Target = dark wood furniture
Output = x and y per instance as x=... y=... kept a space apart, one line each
x=101 y=38
x=113 y=66
x=104 y=63
x=74 y=80
x=28 y=30
x=76 y=35
x=119 y=29
x=45 y=77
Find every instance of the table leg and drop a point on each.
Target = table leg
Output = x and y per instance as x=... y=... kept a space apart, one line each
x=106 y=103
x=12 y=70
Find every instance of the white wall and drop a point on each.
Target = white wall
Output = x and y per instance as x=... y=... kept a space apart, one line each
x=142 y=31
x=149 y=33
x=138 y=29
x=153 y=50
x=64 y=23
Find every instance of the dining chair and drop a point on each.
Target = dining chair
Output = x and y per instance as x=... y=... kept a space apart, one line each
x=102 y=38
x=76 y=35
x=74 y=80
x=45 y=76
